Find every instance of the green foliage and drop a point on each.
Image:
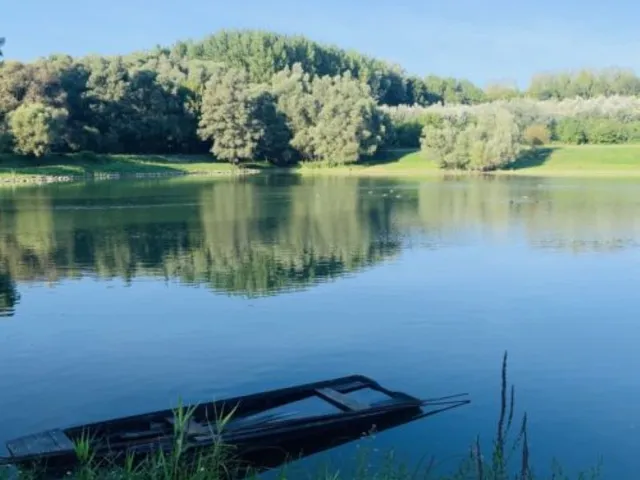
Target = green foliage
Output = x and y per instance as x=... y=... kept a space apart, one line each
x=6 y=140
x=606 y=131
x=274 y=144
x=570 y=130
x=37 y=128
x=501 y=91
x=263 y=54
x=2 y=41
x=230 y=118
x=306 y=100
x=537 y=134
x=485 y=141
x=584 y=83
x=450 y=90
x=407 y=134
x=333 y=119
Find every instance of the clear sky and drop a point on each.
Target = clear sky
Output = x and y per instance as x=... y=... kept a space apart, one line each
x=482 y=40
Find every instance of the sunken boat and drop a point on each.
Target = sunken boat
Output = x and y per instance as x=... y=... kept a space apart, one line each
x=262 y=430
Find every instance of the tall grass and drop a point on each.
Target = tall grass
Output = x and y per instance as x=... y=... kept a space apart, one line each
x=509 y=457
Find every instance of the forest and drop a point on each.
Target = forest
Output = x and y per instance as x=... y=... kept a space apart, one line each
x=254 y=95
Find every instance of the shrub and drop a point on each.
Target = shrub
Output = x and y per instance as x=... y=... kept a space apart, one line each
x=537 y=134
x=606 y=130
x=407 y=135
x=37 y=128
x=570 y=130
x=485 y=141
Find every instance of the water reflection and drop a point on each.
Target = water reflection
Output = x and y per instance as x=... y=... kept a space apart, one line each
x=266 y=235
x=8 y=295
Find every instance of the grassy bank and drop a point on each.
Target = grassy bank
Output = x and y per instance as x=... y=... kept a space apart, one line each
x=18 y=169
x=555 y=160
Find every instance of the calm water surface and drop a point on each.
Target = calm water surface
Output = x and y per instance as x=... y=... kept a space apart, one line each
x=122 y=297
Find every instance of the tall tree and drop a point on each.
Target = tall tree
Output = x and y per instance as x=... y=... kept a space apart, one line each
x=333 y=118
x=229 y=116
x=37 y=128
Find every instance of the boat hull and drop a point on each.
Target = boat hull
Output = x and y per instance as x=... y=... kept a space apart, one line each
x=265 y=429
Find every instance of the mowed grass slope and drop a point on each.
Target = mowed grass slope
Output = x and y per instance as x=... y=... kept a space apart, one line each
x=578 y=160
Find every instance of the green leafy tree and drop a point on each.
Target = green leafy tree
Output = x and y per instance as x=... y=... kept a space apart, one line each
x=6 y=141
x=274 y=144
x=230 y=116
x=501 y=91
x=484 y=141
x=333 y=118
x=37 y=128
x=441 y=140
x=348 y=123
x=570 y=130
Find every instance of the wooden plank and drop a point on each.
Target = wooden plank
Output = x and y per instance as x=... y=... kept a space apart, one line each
x=51 y=441
x=193 y=427
x=340 y=400
x=350 y=386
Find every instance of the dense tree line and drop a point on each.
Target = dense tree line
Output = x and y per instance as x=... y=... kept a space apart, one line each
x=177 y=99
x=245 y=95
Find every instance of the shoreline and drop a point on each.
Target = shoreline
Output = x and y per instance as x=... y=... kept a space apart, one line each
x=41 y=180
x=578 y=161
x=35 y=179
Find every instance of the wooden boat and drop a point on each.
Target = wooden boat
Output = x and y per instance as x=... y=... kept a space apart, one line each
x=264 y=430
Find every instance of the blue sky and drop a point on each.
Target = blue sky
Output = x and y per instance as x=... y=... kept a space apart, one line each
x=483 y=40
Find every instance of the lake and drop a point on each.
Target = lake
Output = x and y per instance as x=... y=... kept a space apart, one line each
x=121 y=297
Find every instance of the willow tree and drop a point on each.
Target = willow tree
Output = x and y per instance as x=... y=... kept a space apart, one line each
x=333 y=118
x=229 y=116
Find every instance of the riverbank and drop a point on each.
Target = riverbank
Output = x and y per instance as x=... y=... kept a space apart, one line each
x=554 y=160
x=76 y=167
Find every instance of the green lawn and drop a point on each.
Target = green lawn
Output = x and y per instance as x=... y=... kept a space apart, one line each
x=580 y=160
